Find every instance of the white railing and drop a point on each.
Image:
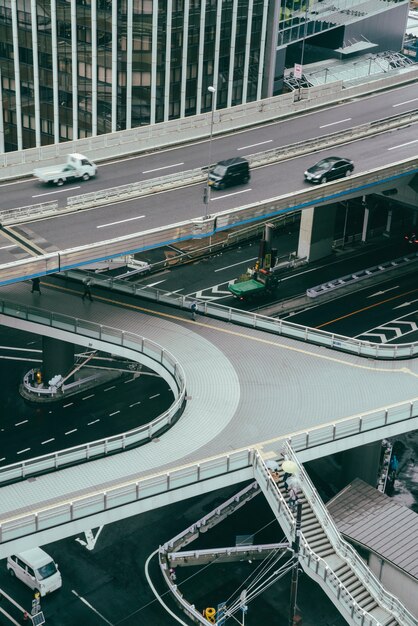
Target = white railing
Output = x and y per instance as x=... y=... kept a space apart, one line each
x=191 y=177
x=173 y=132
x=200 y=228
x=261 y=322
x=28 y=523
x=113 y=337
x=345 y=550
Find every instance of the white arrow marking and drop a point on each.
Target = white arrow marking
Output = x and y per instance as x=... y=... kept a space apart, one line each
x=380 y=336
x=405 y=304
x=379 y=293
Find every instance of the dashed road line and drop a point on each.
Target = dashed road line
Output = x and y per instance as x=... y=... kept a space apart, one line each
x=114 y=413
x=22 y=451
x=48 y=441
x=87 y=397
x=91 y=607
x=66 y=405
x=109 y=388
x=134 y=404
x=70 y=432
x=155 y=396
x=20 y=423
x=91 y=423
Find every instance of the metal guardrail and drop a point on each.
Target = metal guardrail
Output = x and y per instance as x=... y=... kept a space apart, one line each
x=346 y=551
x=113 y=337
x=285 y=328
x=370 y=272
x=27 y=523
x=52 y=263
x=111 y=145
x=198 y=175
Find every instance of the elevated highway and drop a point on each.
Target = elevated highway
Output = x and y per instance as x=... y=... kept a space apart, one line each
x=56 y=243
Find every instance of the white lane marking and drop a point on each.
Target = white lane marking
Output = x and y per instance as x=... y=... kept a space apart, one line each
x=134 y=404
x=3 y=459
x=228 y=195
x=157 y=283
x=400 y=306
x=69 y=404
x=87 y=397
x=221 y=269
x=21 y=349
x=130 y=219
x=5 y=247
x=406 y=102
x=50 y=193
x=22 y=451
x=155 y=396
x=91 y=423
x=347 y=119
x=380 y=293
x=408 y=143
x=131 y=380
x=20 y=358
x=109 y=388
x=166 y=167
x=69 y=432
x=20 y=423
x=91 y=607
x=112 y=414
x=253 y=145
x=47 y=441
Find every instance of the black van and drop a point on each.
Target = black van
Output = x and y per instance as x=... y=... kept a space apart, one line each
x=229 y=172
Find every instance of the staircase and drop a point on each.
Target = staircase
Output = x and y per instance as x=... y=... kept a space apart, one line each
x=330 y=560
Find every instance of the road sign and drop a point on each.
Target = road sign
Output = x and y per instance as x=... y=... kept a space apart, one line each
x=38 y=619
x=297 y=70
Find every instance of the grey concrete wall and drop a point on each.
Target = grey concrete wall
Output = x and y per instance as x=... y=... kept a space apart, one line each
x=316 y=233
x=396 y=582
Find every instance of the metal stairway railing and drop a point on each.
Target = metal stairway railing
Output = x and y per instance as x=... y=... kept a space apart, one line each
x=334 y=563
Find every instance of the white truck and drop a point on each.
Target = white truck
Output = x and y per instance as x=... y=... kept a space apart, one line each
x=77 y=166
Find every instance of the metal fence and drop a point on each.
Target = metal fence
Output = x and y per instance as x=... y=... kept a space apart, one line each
x=200 y=228
x=111 y=145
x=112 y=337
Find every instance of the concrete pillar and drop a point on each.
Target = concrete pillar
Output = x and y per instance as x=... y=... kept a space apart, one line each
x=316 y=232
x=366 y=216
x=388 y=224
x=57 y=358
x=362 y=462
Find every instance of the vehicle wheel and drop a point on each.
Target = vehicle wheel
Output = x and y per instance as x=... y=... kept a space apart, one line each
x=221 y=186
x=348 y=172
x=12 y=573
x=60 y=182
x=86 y=176
x=323 y=179
x=246 y=179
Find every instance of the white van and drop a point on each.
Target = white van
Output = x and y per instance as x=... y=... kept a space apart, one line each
x=36 y=569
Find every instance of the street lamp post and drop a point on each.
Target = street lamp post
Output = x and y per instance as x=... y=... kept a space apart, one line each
x=206 y=191
x=305 y=30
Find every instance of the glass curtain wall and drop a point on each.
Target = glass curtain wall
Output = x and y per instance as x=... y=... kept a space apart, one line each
x=71 y=69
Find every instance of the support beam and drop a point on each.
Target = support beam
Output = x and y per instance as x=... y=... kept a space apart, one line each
x=316 y=232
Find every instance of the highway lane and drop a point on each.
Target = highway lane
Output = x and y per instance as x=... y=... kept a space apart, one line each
x=29 y=430
x=384 y=313
x=86 y=227
x=240 y=143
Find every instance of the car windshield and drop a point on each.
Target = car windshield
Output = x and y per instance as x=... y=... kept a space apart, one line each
x=46 y=570
x=220 y=170
x=325 y=164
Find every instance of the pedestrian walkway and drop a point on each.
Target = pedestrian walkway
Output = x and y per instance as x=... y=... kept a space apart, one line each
x=244 y=387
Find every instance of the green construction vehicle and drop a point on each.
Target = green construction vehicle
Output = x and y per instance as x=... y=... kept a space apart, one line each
x=255 y=283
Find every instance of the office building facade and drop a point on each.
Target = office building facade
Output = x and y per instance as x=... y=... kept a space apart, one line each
x=71 y=69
